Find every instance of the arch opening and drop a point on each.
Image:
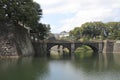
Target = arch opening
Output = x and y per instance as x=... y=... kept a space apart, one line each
x=58 y=51
x=85 y=51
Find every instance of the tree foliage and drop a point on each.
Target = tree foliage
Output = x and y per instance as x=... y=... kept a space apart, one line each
x=114 y=30
x=25 y=12
x=93 y=29
x=97 y=30
x=41 y=31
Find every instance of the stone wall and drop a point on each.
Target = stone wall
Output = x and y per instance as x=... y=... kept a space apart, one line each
x=111 y=47
x=108 y=46
x=116 y=48
x=40 y=49
x=14 y=41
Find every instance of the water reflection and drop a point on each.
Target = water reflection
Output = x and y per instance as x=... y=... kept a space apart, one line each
x=23 y=69
x=99 y=67
x=58 y=54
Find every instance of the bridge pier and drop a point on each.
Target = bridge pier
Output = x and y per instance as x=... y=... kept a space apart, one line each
x=100 y=50
x=72 y=49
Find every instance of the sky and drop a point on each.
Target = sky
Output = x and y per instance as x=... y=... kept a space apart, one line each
x=65 y=15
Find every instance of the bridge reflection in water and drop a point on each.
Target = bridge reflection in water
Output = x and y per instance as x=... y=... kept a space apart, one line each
x=102 y=67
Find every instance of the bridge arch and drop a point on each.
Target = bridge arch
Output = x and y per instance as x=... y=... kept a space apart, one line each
x=65 y=45
x=94 y=47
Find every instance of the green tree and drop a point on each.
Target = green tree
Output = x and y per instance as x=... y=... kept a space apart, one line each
x=114 y=30
x=76 y=33
x=90 y=30
x=25 y=12
x=93 y=29
x=41 y=31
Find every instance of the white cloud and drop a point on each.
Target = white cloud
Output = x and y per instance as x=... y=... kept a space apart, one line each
x=83 y=10
x=83 y=16
x=48 y=3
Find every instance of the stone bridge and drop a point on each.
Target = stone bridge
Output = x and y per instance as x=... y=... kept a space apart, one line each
x=97 y=47
x=106 y=46
x=42 y=47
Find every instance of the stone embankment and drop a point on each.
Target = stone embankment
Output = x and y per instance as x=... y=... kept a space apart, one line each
x=111 y=46
x=14 y=41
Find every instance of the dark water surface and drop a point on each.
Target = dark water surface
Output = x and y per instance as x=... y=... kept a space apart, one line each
x=100 y=67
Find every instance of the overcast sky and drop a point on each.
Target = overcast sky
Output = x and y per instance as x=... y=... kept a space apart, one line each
x=64 y=15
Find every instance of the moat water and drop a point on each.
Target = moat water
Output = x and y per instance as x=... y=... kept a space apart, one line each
x=99 y=67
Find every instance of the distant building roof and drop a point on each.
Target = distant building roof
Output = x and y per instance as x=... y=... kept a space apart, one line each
x=64 y=34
